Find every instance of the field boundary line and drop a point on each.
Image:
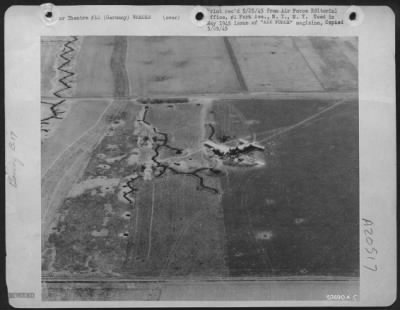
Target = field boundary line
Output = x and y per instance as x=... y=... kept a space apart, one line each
x=308 y=64
x=235 y=64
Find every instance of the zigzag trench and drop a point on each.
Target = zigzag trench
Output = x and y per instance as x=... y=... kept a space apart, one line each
x=54 y=107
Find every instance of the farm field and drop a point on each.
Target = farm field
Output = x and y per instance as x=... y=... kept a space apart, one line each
x=179 y=65
x=271 y=63
x=293 y=206
x=94 y=77
x=332 y=53
x=164 y=65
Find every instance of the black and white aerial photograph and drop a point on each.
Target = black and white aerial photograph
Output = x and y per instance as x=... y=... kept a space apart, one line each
x=174 y=159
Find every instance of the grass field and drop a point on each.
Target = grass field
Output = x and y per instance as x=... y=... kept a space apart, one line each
x=275 y=113
x=176 y=235
x=183 y=122
x=302 y=206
